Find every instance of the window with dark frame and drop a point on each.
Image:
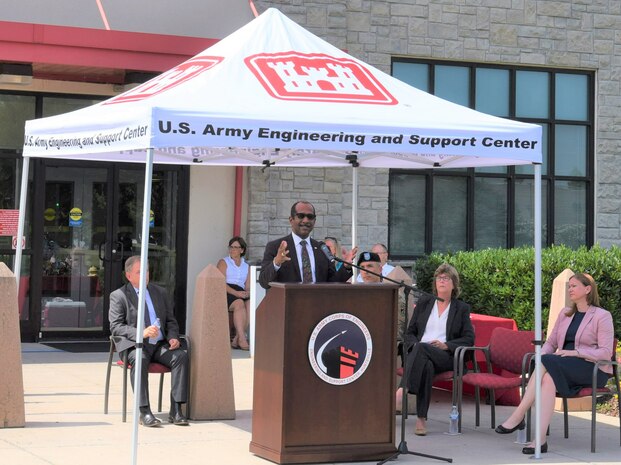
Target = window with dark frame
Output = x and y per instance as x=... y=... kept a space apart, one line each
x=15 y=109
x=468 y=209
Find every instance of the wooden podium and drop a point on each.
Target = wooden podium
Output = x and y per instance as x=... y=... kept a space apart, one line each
x=303 y=413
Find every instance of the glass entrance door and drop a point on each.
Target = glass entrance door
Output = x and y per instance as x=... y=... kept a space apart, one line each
x=73 y=279
x=92 y=223
x=162 y=224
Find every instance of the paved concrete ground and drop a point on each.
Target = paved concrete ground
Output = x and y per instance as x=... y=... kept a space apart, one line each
x=65 y=425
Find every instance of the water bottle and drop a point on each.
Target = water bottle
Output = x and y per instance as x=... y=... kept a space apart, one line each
x=453 y=421
x=521 y=436
x=158 y=324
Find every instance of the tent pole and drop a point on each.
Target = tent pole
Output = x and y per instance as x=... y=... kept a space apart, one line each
x=354 y=214
x=537 y=222
x=23 y=197
x=144 y=260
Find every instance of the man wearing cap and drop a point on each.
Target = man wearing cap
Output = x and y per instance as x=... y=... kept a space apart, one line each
x=371 y=261
x=297 y=257
x=382 y=252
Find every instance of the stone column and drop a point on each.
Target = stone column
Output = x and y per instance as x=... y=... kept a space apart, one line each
x=211 y=370
x=12 y=414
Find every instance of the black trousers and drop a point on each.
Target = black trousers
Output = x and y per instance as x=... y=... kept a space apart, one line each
x=176 y=360
x=424 y=362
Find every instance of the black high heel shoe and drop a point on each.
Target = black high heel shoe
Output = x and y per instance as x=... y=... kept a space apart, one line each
x=502 y=430
x=531 y=450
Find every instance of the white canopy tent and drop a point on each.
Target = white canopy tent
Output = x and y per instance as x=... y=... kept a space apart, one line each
x=272 y=93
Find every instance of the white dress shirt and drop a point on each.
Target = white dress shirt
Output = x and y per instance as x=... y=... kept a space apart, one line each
x=436 y=325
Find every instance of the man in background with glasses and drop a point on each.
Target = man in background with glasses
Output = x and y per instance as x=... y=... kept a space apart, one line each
x=382 y=251
x=297 y=257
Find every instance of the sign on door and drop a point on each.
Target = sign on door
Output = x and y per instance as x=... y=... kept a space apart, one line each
x=8 y=222
x=14 y=243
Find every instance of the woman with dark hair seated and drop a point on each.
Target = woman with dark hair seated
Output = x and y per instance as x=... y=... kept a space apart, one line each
x=236 y=271
x=436 y=330
x=582 y=334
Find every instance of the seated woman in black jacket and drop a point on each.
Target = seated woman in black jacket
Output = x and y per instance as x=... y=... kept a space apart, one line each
x=436 y=330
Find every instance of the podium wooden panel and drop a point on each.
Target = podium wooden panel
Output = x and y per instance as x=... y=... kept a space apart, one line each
x=300 y=418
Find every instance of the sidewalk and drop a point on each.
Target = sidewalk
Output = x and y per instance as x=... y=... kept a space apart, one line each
x=65 y=425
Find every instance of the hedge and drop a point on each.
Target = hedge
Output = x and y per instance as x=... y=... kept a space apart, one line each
x=500 y=282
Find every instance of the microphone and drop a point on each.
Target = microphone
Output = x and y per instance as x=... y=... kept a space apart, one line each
x=326 y=251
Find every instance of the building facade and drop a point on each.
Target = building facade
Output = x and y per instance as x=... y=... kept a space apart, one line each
x=83 y=219
x=552 y=63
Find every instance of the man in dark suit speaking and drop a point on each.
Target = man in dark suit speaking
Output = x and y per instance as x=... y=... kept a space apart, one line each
x=297 y=257
x=161 y=340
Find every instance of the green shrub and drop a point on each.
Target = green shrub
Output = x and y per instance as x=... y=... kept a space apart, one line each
x=501 y=282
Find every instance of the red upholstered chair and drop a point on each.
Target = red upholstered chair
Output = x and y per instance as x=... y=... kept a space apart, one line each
x=444 y=376
x=593 y=392
x=505 y=351
x=154 y=368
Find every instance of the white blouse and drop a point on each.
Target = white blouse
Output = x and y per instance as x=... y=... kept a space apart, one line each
x=436 y=325
x=236 y=274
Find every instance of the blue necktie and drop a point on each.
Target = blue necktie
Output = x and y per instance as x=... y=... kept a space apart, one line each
x=150 y=317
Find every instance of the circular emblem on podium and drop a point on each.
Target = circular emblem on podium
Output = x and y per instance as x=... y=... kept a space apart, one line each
x=340 y=348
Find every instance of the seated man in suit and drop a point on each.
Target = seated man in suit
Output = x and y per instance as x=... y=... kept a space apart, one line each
x=297 y=257
x=161 y=340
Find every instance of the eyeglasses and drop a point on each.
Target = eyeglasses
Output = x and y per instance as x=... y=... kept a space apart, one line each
x=301 y=216
x=443 y=278
x=235 y=247
x=328 y=238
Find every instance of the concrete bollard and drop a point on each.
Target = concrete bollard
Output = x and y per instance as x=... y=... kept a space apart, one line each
x=211 y=370
x=399 y=274
x=560 y=297
x=12 y=413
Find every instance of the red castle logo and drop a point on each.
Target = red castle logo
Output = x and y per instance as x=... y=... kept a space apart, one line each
x=166 y=81
x=317 y=77
x=348 y=360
